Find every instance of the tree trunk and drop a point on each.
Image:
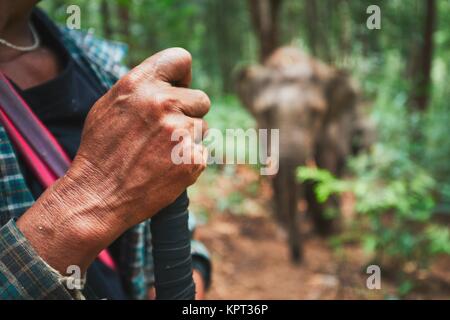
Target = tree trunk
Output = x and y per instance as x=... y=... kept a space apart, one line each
x=312 y=25
x=318 y=25
x=106 y=25
x=264 y=14
x=124 y=30
x=124 y=18
x=345 y=30
x=225 y=42
x=421 y=72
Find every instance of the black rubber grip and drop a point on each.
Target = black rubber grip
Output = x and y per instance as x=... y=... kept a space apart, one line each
x=172 y=252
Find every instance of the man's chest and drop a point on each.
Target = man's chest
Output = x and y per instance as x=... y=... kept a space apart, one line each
x=33 y=68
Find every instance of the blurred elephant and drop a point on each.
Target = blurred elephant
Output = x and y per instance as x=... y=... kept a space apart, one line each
x=315 y=108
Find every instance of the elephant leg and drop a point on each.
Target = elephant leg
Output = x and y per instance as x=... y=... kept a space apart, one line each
x=285 y=194
x=278 y=187
x=293 y=226
x=282 y=189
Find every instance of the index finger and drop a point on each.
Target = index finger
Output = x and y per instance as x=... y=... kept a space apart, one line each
x=172 y=65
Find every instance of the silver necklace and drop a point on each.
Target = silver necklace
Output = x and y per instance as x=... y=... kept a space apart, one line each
x=36 y=42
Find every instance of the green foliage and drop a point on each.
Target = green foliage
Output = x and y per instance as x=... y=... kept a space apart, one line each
x=394 y=200
x=327 y=184
x=404 y=177
x=217 y=33
x=398 y=182
x=227 y=112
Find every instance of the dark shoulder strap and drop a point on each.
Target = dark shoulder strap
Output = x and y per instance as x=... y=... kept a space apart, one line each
x=32 y=129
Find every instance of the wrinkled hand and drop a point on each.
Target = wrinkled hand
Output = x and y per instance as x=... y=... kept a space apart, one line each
x=123 y=172
x=126 y=145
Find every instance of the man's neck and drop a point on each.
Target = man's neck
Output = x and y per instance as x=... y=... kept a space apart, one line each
x=14 y=19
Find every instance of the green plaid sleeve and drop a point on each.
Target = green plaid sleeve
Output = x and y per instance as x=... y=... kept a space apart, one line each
x=23 y=274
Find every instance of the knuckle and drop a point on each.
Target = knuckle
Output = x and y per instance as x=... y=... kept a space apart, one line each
x=205 y=126
x=194 y=176
x=169 y=130
x=128 y=83
x=188 y=173
x=182 y=54
x=204 y=99
x=202 y=166
x=167 y=102
x=189 y=124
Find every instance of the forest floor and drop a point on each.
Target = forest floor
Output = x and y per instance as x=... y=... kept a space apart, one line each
x=251 y=260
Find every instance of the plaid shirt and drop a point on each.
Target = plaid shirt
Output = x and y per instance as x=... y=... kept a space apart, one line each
x=23 y=274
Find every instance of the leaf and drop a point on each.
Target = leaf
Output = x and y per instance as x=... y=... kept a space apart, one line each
x=405 y=287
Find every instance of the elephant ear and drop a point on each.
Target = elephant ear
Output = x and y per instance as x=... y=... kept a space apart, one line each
x=253 y=89
x=341 y=94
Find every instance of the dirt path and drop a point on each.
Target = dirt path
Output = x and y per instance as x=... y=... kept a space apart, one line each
x=251 y=262
x=250 y=256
